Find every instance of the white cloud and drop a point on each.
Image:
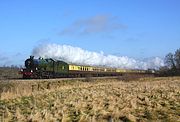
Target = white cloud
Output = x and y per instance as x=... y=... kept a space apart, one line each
x=99 y=23
x=11 y=59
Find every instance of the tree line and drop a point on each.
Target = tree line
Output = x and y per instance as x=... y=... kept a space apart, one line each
x=172 y=64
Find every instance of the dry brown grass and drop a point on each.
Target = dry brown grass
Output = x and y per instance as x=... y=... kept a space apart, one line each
x=148 y=99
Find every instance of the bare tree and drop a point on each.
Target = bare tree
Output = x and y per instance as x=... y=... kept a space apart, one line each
x=172 y=64
x=177 y=59
x=170 y=61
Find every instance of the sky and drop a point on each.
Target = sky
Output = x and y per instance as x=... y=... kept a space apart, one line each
x=134 y=28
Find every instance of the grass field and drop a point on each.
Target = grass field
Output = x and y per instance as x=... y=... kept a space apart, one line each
x=108 y=100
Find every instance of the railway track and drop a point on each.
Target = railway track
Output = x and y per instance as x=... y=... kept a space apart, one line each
x=87 y=79
x=59 y=79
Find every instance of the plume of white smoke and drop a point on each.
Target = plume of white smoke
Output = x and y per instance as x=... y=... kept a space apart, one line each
x=77 y=55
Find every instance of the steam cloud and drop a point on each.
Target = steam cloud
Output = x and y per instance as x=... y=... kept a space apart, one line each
x=77 y=55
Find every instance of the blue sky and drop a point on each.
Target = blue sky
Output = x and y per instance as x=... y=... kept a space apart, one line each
x=133 y=28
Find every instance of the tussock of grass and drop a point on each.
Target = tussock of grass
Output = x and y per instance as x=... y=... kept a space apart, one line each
x=149 y=99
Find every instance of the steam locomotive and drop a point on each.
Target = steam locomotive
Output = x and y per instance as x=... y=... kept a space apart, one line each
x=50 y=68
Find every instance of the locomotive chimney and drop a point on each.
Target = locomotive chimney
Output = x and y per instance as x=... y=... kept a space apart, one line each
x=31 y=57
